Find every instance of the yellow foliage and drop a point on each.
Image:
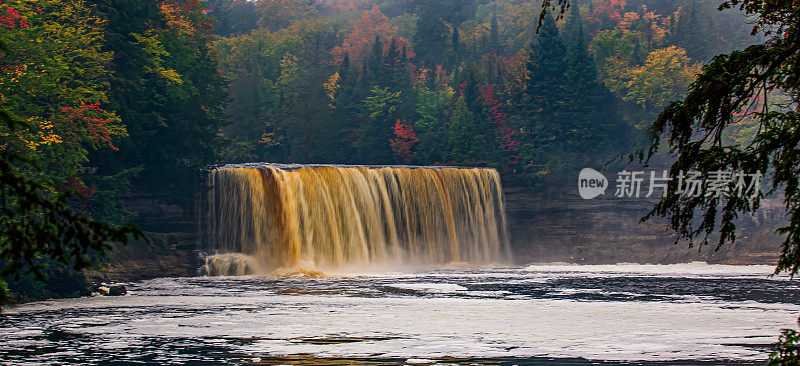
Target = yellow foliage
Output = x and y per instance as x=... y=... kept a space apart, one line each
x=41 y=133
x=331 y=87
x=664 y=77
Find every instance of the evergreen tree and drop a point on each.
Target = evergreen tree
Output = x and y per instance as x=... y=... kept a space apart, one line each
x=387 y=74
x=473 y=126
x=494 y=34
x=544 y=95
x=167 y=90
x=233 y=17
x=692 y=32
x=461 y=134
x=374 y=60
x=590 y=115
x=375 y=134
x=455 y=43
x=432 y=33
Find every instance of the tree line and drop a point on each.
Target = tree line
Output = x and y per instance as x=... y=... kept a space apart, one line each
x=120 y=98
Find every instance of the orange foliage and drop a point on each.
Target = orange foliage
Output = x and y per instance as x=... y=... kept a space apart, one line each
x=653 y=26
x=187 y=16
x=608 y=10
x=372 y=24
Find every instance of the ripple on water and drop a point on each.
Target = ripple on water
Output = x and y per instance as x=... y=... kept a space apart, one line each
x=557 y=313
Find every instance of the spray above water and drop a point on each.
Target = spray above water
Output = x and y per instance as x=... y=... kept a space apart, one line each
x=286 y=216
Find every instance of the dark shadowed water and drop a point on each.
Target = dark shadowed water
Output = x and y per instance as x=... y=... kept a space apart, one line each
x=541 y=314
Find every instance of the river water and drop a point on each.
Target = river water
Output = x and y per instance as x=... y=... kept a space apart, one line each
x=539 y=314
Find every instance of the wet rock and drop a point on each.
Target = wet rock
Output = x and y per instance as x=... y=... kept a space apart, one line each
x=108 y=290
x=117 y=290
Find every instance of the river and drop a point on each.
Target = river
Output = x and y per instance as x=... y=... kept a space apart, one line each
x=537 y=314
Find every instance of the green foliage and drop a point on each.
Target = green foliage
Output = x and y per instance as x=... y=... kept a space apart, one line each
x=664 y=77
x=5 y=297
x=546 y=79
x=261 y=89
x=695 y=127
x=53 y=65
x=381 y=108
x=167 y=90
x=233 y=17
x=462 y=134
x=38 y=223
x=278 y=14
x=787 y=349
x=432 y=32
x=431 y=126
x=61 y=282
x=39 y=232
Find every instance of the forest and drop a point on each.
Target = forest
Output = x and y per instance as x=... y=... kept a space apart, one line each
x=114 y=99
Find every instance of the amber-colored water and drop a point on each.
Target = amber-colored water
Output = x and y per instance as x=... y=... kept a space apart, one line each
x=329 y=217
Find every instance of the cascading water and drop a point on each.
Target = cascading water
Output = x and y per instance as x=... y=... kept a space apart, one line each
x=287 y=216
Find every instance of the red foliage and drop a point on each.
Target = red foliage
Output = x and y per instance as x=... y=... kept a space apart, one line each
x=10 y=18
x=498 y=119
x=406 y=138
x=83 y=123
x=608 y=11
x=372 y=24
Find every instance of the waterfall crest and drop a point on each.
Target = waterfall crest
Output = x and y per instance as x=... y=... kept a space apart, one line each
x=333 y=216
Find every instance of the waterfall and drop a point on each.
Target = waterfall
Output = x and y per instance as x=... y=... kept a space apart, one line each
x=284 y=216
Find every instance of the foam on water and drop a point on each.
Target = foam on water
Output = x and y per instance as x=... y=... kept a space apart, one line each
x=681 y=269
x=620 y=315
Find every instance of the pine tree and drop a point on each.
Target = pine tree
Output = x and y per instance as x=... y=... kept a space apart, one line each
x=461 y=134
x=455 y=43
x=403 y=75
x=432 y=33
x=494 y=34
x=173 y=126
x=387 y=74
x=544 y=93
x=374 y=60
x=692 y=32
x=590 y=115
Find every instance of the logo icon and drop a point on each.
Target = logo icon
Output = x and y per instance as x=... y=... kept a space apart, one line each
x=591 y=183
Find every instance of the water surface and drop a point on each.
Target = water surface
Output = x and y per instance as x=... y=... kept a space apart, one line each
x=540 y=314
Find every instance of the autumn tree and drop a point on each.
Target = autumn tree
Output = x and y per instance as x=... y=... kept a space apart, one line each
x=54 y=76
x=373 y=25
x=404 y=141
x=664 y=77
x=607 y=12
x=506 y=136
